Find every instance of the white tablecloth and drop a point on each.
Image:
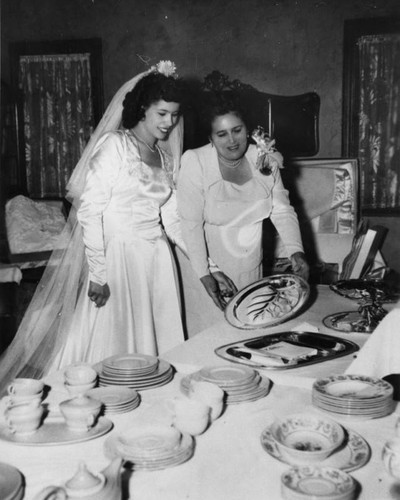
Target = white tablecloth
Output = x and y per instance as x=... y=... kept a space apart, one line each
x=229 y=462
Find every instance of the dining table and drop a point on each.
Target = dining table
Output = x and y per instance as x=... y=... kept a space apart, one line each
x=229 y=461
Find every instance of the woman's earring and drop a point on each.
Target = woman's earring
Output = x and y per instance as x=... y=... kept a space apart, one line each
x=212 y=144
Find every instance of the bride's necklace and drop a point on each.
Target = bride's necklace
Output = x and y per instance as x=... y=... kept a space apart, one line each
x=153 y=150
x=229 y=163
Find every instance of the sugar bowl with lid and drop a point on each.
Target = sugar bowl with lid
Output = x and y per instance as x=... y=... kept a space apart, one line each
x=81 y=412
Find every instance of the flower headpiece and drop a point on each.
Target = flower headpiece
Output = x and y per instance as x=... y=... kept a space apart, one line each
x=167 y=68
x=268 y=158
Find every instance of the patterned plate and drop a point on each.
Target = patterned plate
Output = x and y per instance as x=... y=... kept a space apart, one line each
x=351 y=387
x=354 y=454
x=267 y=302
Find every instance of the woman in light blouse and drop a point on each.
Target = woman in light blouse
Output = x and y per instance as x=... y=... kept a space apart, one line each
x=223 y=198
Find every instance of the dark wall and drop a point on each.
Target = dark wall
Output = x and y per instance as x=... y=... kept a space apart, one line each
x=279 y=46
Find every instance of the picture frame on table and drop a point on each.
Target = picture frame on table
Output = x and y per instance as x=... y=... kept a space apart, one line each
x=325 y=195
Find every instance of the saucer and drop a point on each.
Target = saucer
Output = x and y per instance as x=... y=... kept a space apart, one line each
x=354 y=454
x=157 y=460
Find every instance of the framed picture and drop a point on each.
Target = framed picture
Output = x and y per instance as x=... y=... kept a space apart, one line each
x=325 y=195
x=371 y=110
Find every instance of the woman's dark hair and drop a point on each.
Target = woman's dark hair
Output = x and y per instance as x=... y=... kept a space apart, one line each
x=219 y=104
x=150 y=89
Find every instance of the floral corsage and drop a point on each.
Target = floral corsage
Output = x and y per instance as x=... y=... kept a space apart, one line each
x=268 y=158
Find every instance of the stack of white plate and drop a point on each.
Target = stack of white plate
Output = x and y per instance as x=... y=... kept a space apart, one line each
x=240 y=383
x=115 y=399
x=151 y=448
x=356 y=396
x=137 y=371
x=11 y=483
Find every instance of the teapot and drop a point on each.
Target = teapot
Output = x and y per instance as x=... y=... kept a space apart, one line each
x=85 y=485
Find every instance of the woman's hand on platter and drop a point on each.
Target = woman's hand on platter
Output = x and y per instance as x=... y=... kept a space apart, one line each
x=98 y=294
x=219 y=287
x=299 y=265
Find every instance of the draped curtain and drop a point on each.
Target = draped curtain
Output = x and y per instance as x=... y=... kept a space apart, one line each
x=58 y=118
x=379 y=121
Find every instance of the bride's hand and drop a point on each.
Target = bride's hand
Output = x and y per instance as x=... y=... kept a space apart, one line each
x=99 y=294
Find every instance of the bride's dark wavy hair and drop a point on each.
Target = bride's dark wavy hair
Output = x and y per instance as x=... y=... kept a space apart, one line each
x=149 y=90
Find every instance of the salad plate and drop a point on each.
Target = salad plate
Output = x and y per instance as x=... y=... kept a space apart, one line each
x=267 y=302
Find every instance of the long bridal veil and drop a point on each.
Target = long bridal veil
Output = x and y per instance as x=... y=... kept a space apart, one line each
x=47 y=321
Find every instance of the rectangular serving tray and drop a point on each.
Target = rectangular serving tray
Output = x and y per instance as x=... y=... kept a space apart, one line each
x=325 y=347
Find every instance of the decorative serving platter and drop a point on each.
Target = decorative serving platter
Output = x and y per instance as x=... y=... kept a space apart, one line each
x=54 y=431
x=348 y=322
x=355 y=452
x=286 y=350
x=267 y=302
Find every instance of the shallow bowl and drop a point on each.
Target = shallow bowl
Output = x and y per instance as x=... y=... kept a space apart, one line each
x=311 y=482
x=304 y=438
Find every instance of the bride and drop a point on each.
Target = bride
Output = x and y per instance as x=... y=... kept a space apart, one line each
x=114 y=289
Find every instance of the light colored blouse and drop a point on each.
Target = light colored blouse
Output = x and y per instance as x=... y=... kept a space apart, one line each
x=222 y=220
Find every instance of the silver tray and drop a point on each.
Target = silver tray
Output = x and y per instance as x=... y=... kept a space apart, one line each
x=55 y=432
x=324 y=347
x=267 y=302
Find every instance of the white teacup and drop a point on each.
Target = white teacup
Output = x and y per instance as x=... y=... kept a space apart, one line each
x=25 y=387
x=14 y=400
x=391 y=457
x=76 y=389
x=25 y=418
x=80 y=374
x=191 y=416
x=210 y=394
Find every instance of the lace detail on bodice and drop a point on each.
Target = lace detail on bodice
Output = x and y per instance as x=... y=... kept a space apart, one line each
x=139 y=169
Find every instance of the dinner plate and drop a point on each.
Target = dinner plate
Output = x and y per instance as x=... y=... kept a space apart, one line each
x=11 y=483
x=163 y=374
x=131 y=363
x=267 y=302
x=354 y=453
x=226 y=376
x=259 y=388
x=54 y=432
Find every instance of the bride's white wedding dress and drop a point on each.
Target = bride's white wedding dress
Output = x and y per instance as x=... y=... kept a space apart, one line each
x=126 y=210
